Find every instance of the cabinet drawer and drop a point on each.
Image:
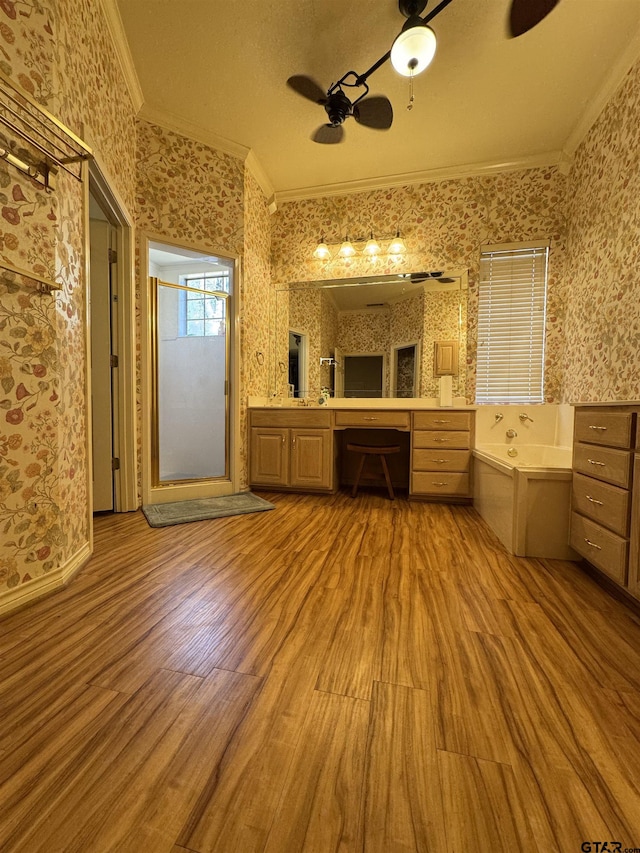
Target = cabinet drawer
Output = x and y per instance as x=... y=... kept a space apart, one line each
x=372 y=418
x=608 y=505
x=442 y=420
x=613 y=466
x=436 y=483
x=438 y=460
x=611 y=428
x=599 y=546
x=443 y=439
x=306 y=418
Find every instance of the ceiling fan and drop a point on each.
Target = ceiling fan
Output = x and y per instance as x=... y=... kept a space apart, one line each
x=420 y=277
x=376 y=111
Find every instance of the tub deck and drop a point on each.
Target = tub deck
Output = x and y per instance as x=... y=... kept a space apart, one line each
x=526 y=499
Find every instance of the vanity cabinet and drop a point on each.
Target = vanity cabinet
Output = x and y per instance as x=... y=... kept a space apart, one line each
x=605 y=491
x=298 y=449
x=441 y=455
x=634 y=552
x=291 y=449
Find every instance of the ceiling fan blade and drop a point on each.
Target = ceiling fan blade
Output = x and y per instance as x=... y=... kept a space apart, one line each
x=375 y=112
x=308 y=88
x=526 y=14
x=327 y=134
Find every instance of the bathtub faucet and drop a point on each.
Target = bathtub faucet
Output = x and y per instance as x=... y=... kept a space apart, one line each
x=511 y=433
x=524 y=417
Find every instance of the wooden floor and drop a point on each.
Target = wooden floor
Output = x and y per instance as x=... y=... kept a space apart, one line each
x=334 y=675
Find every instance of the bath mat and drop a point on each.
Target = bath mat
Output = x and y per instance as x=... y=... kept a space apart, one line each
x=181 y=512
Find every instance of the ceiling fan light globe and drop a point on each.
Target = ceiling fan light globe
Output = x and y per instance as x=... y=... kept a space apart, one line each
x=413 y=50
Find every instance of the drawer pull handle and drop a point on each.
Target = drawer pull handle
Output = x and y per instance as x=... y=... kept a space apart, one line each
x=597 y=427
x=442 y=422
x=593 y=500
x=439 y=484
x=369 y=419
x=441 y=461
x=442 y=439
x=593 y=544
x=595 y=462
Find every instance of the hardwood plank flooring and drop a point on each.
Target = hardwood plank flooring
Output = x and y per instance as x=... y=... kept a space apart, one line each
x=361 y=676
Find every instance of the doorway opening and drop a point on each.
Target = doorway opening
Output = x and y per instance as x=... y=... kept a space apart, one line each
x=405 y=371
x=191 y=296
x=363 y=375
x=111 y=323
x=298 y=361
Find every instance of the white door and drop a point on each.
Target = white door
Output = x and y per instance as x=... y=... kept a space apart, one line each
x=101 y=236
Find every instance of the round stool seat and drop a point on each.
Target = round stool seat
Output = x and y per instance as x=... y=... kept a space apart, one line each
x=373 y=450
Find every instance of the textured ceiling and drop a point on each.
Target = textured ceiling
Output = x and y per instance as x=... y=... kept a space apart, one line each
x=221 y=67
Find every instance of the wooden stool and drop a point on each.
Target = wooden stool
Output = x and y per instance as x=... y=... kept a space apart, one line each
x=368 y=450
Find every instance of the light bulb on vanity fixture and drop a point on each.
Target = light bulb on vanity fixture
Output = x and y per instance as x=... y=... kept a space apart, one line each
x=397 y=245
x=322 y=251
x=372 y=247
x=347 y=249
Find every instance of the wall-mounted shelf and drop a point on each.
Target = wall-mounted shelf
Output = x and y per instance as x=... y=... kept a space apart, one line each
x=39 y=144
x=15 y=275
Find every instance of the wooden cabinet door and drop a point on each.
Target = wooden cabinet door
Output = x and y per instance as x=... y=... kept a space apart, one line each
x=311 y=465
x=269 y=456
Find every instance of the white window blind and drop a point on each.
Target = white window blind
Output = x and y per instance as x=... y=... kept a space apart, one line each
x=511 y=325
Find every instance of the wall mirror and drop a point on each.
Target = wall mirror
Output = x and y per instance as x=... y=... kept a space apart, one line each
x=377 y=336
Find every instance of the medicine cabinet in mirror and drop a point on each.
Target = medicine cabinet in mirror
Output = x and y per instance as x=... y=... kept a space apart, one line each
x=371 y=337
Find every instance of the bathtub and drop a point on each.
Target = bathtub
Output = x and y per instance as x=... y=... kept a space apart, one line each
x=526 y=498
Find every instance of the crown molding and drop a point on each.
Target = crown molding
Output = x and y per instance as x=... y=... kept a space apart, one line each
x=255 y=167
x=193 y=131
x=605 y=93
x=553 y=158
x=119 y=39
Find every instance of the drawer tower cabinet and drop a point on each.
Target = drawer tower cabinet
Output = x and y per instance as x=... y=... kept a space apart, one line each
x=441 y=458
x=291 y=449
x=604 y=530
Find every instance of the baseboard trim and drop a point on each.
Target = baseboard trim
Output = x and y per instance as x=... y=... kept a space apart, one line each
x=26 y=593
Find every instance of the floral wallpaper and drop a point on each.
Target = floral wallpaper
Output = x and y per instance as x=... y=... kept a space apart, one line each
x=58 y=52
x=257 y=304
x=328 y=340
x=444 y=224
x=188 y=192
x=445 y=319
x=305 y=316
x=603 y=315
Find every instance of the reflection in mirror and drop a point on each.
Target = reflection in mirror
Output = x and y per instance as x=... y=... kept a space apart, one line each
x=298 y=364
x=398 y=317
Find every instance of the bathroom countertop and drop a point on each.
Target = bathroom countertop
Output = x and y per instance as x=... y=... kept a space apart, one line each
x=359 y=403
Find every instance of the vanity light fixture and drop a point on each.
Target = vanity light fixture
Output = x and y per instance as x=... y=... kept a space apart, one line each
x=347 y=249
x=322 y=251
x=397 y=245
x=371 y=249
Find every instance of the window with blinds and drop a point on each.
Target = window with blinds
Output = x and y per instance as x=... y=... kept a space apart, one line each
x=511 y=324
